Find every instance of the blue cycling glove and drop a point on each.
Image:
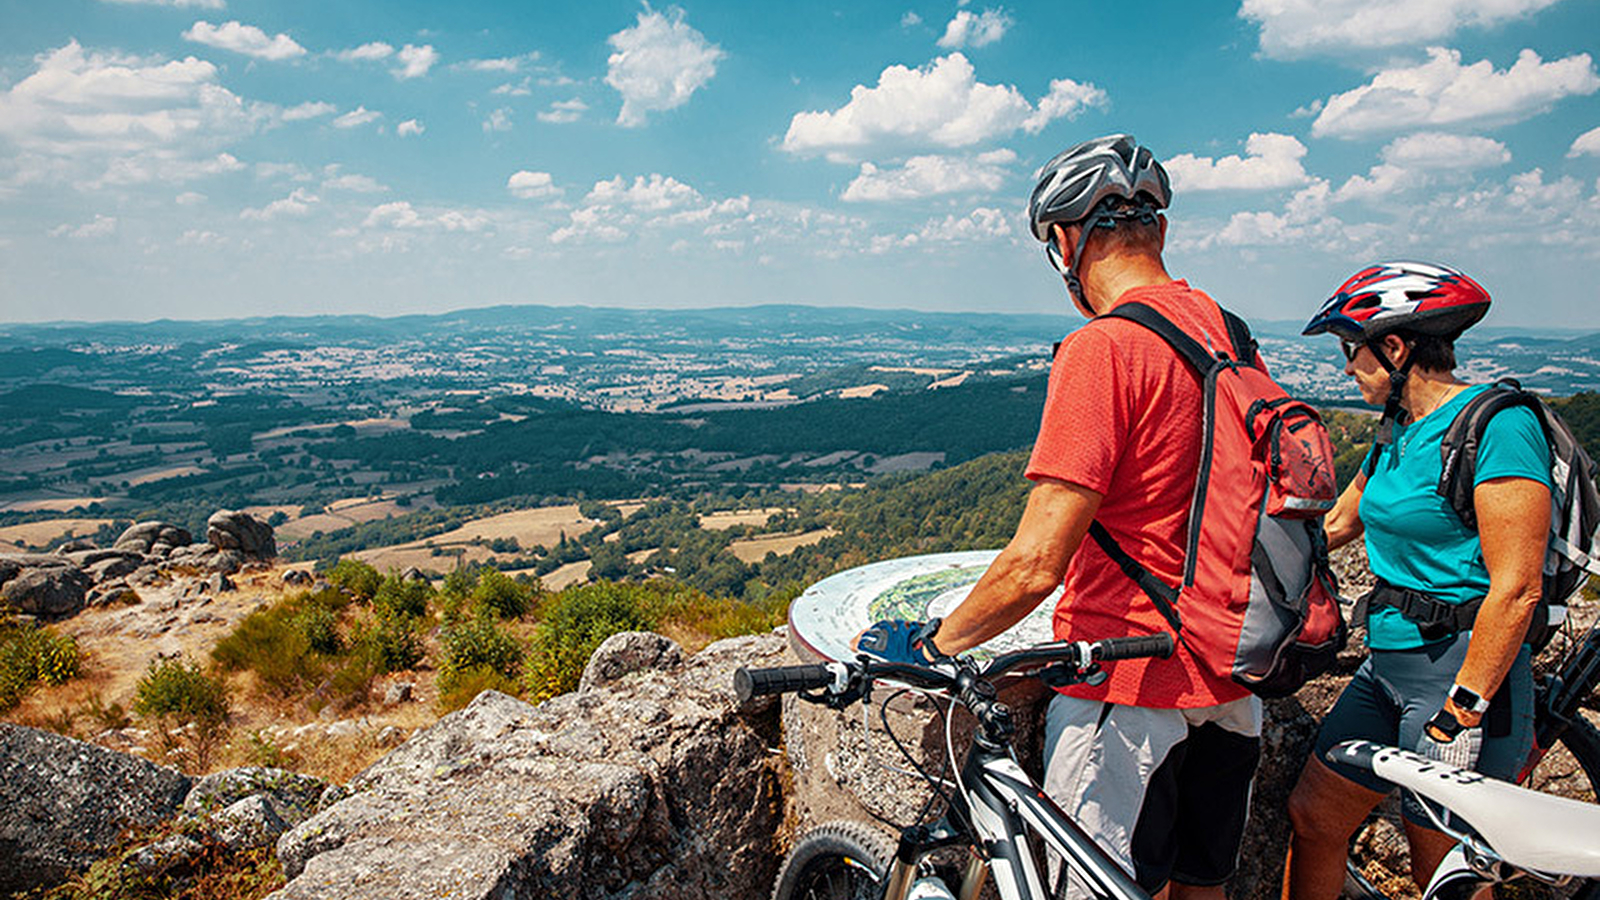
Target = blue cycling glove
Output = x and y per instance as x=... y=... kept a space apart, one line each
x=902 y=642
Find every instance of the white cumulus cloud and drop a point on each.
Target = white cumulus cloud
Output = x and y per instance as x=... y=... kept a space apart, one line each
x=1434 y=151
x=528 y=185
x=941 y=104
x=1270 y=161
x=357 y=117
x=658 y=65
x=1292 y=28
x=975 y=30
x=409 y=128
x=1587 y=144
x=402 y=215
x=1443 y=92
x=368 y=52
x=246 y=39
x=499 y=120
x=562 y=112
x=101 y=227
x=927 y=176
x=297 y=204
x=359 y=184
x=308 y=110
x=415 y=61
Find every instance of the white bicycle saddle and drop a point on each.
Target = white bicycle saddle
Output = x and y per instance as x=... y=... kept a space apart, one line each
x=1530 y=830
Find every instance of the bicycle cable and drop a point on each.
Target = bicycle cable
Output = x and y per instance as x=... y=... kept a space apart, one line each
x=936 y=785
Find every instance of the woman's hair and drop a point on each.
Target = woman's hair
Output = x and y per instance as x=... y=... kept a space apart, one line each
x=1431 y=352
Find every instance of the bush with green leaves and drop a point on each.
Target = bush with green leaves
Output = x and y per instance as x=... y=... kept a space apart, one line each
x=288 y=645
x=390 y=642
x=355 y=576
x=575 y=622
x=500 y=593
x=188 y=705
x=30 y=654
x=474 y=656
x=403 y=597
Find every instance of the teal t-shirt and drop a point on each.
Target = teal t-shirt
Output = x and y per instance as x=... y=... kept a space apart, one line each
x=1414 y=539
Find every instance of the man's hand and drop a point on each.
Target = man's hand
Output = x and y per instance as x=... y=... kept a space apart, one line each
x=901 y=642
x=1449 y=741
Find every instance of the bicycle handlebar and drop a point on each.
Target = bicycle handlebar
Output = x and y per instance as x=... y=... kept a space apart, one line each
x=839 y=677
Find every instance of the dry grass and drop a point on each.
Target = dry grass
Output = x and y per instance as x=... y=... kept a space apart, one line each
x=567 y=575
x=756 y=549
x=50 y=504
x=722 y=521
x=39 y=534
x=145 y=476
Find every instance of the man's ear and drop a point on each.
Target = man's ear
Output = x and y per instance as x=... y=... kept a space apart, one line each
x=1161 y=221
x=1065 y=242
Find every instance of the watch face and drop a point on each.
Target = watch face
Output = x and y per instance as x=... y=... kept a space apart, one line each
x=1468 y=699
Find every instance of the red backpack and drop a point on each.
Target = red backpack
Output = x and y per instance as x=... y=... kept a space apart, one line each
x=1258 y=602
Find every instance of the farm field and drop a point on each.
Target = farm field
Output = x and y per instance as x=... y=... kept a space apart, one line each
x=756 y=549
x=38 y=534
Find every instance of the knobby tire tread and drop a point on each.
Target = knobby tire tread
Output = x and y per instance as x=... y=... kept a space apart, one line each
x=836 y=861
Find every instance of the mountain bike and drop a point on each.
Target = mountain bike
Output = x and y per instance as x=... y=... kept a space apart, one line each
x=994 y=810
x=1565 y=760
x=1511 y=837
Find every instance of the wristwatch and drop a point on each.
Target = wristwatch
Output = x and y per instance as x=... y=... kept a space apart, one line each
x=1468 y=699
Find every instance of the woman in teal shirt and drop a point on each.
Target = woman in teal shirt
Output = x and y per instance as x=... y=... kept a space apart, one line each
x=1448 y=671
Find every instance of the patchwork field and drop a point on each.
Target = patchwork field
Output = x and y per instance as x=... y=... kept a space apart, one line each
x=38 y=534
x=756 y=549
x=722 y=521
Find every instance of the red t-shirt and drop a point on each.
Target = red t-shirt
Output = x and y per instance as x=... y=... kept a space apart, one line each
x=1123 y=418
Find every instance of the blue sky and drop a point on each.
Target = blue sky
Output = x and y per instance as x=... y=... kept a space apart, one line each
x=225 y=158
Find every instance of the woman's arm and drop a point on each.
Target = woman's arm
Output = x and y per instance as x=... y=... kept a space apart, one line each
x=1343 y=523
x=1513 y=527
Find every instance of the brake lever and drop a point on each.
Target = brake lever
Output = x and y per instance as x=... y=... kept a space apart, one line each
x=1061 y=675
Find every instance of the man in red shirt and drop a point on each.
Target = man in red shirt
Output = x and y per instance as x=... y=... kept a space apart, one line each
x=1156 y=761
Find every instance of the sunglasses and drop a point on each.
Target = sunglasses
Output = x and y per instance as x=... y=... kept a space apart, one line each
x=1350 y=348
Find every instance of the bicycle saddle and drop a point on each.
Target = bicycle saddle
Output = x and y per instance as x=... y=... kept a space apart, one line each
x=1527 y=829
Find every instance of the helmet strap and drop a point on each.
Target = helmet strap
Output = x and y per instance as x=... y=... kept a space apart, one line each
x=1392 y=410
x=1069 y=271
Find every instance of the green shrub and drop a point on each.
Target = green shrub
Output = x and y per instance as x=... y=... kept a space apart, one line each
x=356 y=577
x=29 y=655
x=188 y=705
x=477 y=643
x=575 y=622
x=459 y=583
x=507 y=597
x=320 y=627
x=269 y=643
x=461 y=689
x=390 y=642
x=403 y=597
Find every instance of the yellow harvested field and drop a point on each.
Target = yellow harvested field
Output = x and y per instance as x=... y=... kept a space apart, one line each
x=52 y=505
x=145 y=476
x=529 y=526
x=567 y=575
x=341 y=514
x=398 y=559
x=862 y=390
x=38 y=534
x=756 y=549
x=725 y=519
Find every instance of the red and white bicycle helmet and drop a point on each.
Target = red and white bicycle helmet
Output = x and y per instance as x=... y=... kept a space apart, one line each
x=1422 y=298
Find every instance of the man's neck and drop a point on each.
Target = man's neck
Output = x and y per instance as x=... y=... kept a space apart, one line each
x=1106 y=280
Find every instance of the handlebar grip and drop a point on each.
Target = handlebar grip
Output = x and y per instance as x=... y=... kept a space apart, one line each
x=749 y=683
x=1160 y=645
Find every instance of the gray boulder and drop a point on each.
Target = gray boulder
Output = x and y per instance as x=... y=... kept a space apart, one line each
x=660 y=790
x=43 y=585
x=143 y=537
x=229 y=530
x=248 y=824
x=628 y=652
x=63 y=802
x=297 y=578
x=293 y=796
x=76 y=545
x=113 y=567
x=172 y=854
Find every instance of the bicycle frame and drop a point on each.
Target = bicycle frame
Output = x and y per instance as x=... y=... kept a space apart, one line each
x=1004 y=808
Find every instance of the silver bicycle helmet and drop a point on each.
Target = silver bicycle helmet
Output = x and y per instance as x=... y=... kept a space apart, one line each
x=1075 y=185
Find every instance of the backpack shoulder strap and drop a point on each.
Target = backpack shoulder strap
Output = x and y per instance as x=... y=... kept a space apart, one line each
x=1244 y=344
x=1458 y=450
x=1187 y=347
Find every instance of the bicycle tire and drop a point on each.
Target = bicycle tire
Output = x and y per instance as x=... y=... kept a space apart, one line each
x=1379 y=867
x=836 y=861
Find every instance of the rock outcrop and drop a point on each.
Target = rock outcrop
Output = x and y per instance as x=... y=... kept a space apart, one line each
x=63 y=802
x=153 y=538
x=658 y=788
x=42 y=584
x=229 y=530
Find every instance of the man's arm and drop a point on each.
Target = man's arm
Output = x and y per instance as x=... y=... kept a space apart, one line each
x=1030 y=567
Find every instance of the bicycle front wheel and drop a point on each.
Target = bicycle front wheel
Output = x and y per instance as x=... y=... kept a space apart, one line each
x=1380 y=868
x=836 y=861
